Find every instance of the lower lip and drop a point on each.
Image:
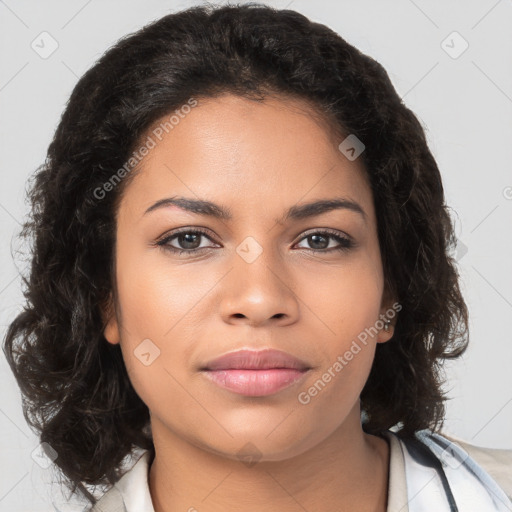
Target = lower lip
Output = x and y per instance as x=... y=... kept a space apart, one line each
x=255 y=382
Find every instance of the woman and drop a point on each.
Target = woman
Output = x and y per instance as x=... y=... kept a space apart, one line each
x=241 y=267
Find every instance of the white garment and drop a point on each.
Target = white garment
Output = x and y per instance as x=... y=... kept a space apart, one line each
x=134 y=486
x=472 y=487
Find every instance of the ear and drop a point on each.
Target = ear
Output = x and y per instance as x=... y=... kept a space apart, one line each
x=110 y=323
x=389 y=311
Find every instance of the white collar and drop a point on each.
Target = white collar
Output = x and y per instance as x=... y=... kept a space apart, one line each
x=134 y=486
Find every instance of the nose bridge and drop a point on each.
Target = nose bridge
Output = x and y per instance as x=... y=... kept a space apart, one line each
x=259 y=288
x=258 y=267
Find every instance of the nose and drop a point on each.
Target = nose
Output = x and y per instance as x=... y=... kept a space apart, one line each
x=258 y=293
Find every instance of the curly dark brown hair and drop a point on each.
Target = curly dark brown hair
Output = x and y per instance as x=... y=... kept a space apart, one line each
x=75 y=388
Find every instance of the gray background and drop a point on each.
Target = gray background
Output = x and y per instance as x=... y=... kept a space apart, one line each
x=464 y=103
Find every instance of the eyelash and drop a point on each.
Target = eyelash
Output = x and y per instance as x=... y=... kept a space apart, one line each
x=345 y=243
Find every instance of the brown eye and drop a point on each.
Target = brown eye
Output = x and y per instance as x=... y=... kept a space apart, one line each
x=319 y=241
x=188 y=241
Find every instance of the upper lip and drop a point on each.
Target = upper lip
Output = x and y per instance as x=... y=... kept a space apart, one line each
x=256 y=360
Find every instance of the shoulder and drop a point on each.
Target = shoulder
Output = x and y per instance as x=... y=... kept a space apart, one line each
x=497 y=462
x=489 y=467
x=111 y=501
x=131 y=492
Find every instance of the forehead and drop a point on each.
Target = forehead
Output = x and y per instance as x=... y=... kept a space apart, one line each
x=238 y=151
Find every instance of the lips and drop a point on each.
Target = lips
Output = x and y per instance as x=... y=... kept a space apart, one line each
x=256 y=373
x=256 y=360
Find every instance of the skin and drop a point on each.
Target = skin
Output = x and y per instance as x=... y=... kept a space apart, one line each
x=257 y=159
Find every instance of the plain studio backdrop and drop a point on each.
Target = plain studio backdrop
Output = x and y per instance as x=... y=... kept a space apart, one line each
x=451 y=62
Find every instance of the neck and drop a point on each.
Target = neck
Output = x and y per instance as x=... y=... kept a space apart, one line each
x=347 y=471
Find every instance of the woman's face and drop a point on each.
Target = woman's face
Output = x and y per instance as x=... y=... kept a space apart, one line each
x=250 y=281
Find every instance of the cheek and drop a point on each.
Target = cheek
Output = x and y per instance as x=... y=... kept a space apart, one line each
x=337 y=387
x=348 y=340
x=345 y=298
x=156 y=293
x=157 y=301
x=344 y=305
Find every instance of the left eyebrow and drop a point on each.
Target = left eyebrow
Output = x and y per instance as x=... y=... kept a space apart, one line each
x=318 y=207
x=296 y=212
